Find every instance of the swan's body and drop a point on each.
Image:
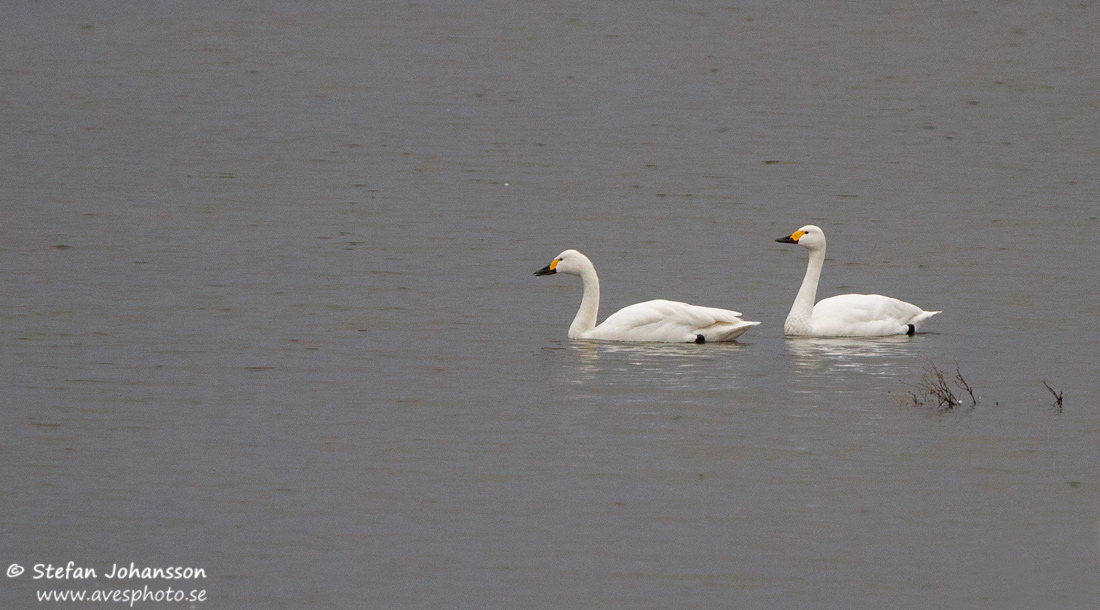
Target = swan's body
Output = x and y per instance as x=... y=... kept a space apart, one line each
x=659 y=320
x=846 y=315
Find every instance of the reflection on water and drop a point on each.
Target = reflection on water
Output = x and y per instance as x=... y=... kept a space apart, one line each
x=640 y=365
x=653 y=350
x=884 y=358
x=807 y=364
x=870 y=355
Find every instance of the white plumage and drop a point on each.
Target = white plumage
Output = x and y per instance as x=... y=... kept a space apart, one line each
x=658 y=320
x=846 y=315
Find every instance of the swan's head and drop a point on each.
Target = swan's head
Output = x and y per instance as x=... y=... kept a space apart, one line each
x=810 y=237
x=570 y=261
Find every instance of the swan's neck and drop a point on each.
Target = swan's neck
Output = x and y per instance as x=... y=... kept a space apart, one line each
x=585 y=321
x=799 y=320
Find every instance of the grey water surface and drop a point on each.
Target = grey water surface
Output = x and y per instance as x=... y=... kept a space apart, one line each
x=267 y=304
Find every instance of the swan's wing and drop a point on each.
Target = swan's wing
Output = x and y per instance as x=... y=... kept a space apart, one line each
x=671 y=321
x=866 y=315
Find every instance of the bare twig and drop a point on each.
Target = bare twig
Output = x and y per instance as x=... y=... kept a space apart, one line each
x=934 y=390
x=959 y=381
x=1057 y=396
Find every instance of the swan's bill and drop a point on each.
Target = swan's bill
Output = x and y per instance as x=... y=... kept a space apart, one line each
x=792 y=238
x=549 y=269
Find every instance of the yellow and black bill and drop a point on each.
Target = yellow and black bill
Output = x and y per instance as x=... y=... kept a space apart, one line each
x=792 y=238
x=549 y=269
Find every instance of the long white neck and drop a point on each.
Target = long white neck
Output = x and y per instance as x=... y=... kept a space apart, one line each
x=585 y=321
x=798 y=321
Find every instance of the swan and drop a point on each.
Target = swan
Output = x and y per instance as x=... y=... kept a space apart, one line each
x=658 y=320
x=845 y=315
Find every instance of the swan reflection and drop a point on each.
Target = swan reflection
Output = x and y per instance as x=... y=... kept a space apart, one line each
x=875 y=356
x=656 y=350
x=646 y=363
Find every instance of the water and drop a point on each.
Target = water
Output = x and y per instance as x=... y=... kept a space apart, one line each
x=268 y=303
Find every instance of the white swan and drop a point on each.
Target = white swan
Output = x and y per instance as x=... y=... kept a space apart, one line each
x=846 y=315
x=659 y=320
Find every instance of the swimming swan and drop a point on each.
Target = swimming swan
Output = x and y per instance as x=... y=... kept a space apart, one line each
x=846 y=315
x=660 y=320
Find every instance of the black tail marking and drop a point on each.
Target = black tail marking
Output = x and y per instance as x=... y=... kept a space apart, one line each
x=912 y=330
x=700 y=339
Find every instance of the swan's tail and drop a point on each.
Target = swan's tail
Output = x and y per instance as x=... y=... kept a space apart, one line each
x=920 y=318
x=725 y=331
